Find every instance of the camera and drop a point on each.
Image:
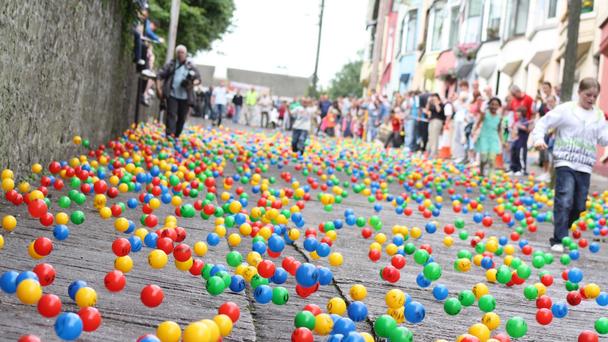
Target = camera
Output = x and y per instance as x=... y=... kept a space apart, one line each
x=188 y=81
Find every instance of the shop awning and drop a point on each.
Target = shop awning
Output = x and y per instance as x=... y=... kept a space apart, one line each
x=487 y=57
x=446 y=63
x=510 y=67
x=464 y=69
x=430 y=63
x=404 y=78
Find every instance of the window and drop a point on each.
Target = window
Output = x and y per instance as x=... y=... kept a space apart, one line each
x=454 y=26
x=518 y=17
x=410 y=38
x=472 y=23
x=493 y=28
x=587 y=6
x=438 y=22
x=552 y=10
x=401 y=35
x=475 y=8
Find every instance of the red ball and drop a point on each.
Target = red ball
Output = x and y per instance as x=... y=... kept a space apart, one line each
x=366 y=232
x=152 y=295
x=547 y=280
x=54 y=167
x=165 y=244
x=29 y=338
x=231 y=310
x=266 y=268
x=574 y=298
x=151 y=221
x=115 y=281
x=502 y=337
x=46 y=273
x=306 y=291
x=588 y=336
x=398 y=261
x=91 y=318
x=544 y=302
x=43 y=246
x=544 y=316
x=100 y=187
x=469 y=338
x=182 y=252
x=49 y=305
x=197 y=267
x=121 y=247
x=315 y=309
x=374 y=255
x=302 y=334
x=487 y=221
x=527 y=250
x=37 y=208
x=391 y=274
x=47 y=219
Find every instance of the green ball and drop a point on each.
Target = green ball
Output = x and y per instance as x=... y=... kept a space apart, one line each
x=530 y=292
x=64 y=202
x=280 y=295
x=226 y=277
x=515 y=263
x=464 y=254
x=206 y=271
x=524 y=271
x=459 y=223
x=77 y=217
x=538 y=261
x=432 y=271
x=215 y=285
x=401 y=334
x=173 y=180
x=503 y=274
x=463 y=235
x=487 y=303
x=517 y=327
x=375 y=221
x=601 y=325
x=360 y=221
x=304 y=319
x=570 y=286
x=421 y=256
x=258 y=280
x=466 y=298
x=565 y=259
x=452 y=306
x=548 y=258
x=409 y=248
x=188 y=210
x=234 y=258
x=384 y=325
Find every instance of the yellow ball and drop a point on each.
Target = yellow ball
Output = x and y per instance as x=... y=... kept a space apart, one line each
x=154 y=203
x=509 y=249
x=62 y=218
x=375 y=246
x=85 y=297
x=9 y=222
x=491 y=320
x=224 y=323
x=491 y=275
x=294 y=234
x=245 y=229
x=77 y=140
x=323 y=324
x=168 y=331
x=29 y=291
x=200 y=248
x=480 y=331
x=235 y=207
x=492 y=246
x=392 y=249
x=184 y=265
x=234 y=240
x=367 y=337
x=196 y=332
x=157 y=259
x=336 y=259
x=397 y=314
x=24 y=187
x=477 y=259
x=121 y=224
x=8 y=184
x=240 y=269
x=32 y=252
x=541 y=288
x=212 y=329
x=141 y=233
x=415 y=232
x=1 y=241
x=253 y=258
x=358 y=292
x=380 y=238
x=394 y=298
x=249 y=273
x=480 y=289
x=6 y=173
x=176 y=201
x=336 y=306
x=106 y=213
x=123 y=264
x=448 y=241
x=591 y=290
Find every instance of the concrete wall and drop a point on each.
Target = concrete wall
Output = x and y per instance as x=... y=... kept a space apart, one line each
x=63 y=71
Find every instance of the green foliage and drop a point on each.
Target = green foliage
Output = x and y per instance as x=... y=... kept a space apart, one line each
x=201 y=22
x=346 y=82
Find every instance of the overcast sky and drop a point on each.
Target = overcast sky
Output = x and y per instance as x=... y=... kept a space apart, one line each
x=280 y=36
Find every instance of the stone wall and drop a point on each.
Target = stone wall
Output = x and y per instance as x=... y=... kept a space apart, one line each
x=65 y=70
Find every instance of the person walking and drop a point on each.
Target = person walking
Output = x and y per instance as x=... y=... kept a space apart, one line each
x=265 y=104
x=520 y=99
x=579 y=127
x=395 y=138
x=520 y=130
x=178 y=77
x=436 y=115
x=411 y=126
x=251 y=101
x=301 y=125
x=237 y=101
x=422 y=125
x=459 y=139
x=220 y=99
x=489 y=139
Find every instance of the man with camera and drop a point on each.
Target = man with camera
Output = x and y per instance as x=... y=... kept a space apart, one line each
x=179 y=77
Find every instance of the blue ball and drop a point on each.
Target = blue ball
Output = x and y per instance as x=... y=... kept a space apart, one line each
x=430 y=227
x=323 y=249
x=440 y=292
x=74 y=287
x=351 y=220
x=335 y=338
x=602 y=299
x=150 y=240
x=132 y=203
x=279 y=276
x=61 y=232
x=559 y=310
x=213 y=239
x=237 y=283
x=262 y=294
x=594 y=247
x=487 y=263
x=414 y=312
x=307 y=275
x=344 y=326
x=259 y=247
x=574 y=254
x=325 y=276
x=148 y=338
x=477 y=217
x=353 y=336
x=276 y=243
x=68 y=326
x=310 y=244
x=422 y=281
x=378 y=207
x=26 y=275
x=575 y=275
x=8 y=281
x=357 y=311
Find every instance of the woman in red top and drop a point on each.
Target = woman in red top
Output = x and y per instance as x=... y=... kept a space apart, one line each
x=396 y=127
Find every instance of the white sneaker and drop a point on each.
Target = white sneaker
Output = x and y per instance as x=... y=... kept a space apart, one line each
x=147 y=73
x=545 y=177
x=557 y=248
x=518 y=173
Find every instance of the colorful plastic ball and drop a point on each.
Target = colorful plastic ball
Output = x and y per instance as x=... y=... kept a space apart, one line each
x=215 y=285
x=61 y=232
x=43 y=246
x=157 y=259
x=588 y=336
x=452 y=306
x=46 y=273
x=466 y=298
x=280 y=295
x=544 y=316
x=357 y=311
x=91 y=318
x=279 y=276
x=224 y=324
x=85 y=297
x=559 y=310
x=384 y=325
x=263 y=294
x=432 y=271
x=152 y=295
x=168 y=331
x=358 y=292
x=487 y=303
x=115 y=281
x=601 y=300
x=8 y=281
x=343 y=326
x=440 y=292
x=323 y=324
x=231 y=310
x=49 y=305
x=302 y=335
x=124 y=264
x=237 y=283
x=491 y=320
x=196 y=331
x=29 y=291
x=29 y=338
x=401 y=334
x=575 y=275
x=601 y=325
x=516 y=327
x=304 y=319
x=414 y=312
x=336 y=306
x=9 y=222
x=307 y=275
x=68 y=326
x=480 y=331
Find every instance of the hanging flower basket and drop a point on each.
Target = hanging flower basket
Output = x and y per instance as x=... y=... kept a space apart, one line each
x=467 y=51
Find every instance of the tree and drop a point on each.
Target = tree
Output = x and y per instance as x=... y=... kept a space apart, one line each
x=346 y=82
x=201 y=22
x=570 y=55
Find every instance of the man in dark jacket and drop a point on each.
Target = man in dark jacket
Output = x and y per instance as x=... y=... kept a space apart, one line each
x=179 y=77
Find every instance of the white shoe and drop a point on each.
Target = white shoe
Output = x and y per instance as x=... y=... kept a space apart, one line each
x=545 y=177
x=147 y=73
x=557 y=248
x=518 y=173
